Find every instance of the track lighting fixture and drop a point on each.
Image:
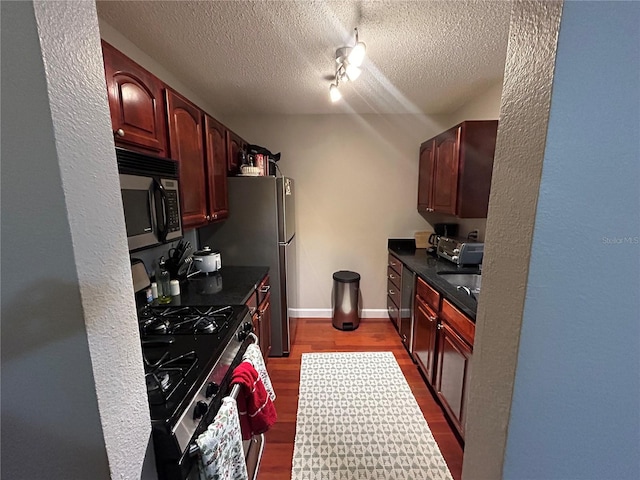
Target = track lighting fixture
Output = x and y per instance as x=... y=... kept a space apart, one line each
x=334 y=93
x=348 y=62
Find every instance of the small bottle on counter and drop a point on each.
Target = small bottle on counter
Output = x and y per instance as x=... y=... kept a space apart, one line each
x=163 y=281
x=175 y=288
x=149 y=294
x=154 y=290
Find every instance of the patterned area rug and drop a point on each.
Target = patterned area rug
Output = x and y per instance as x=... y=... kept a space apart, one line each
x=358 y=420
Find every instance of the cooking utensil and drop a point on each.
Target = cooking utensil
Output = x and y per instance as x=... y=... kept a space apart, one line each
x=185 y=254
x=183 y=270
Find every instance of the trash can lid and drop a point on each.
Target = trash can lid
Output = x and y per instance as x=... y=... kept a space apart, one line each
x=346 y=276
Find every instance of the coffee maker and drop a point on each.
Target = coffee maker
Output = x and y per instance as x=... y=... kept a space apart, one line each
x=441 y=230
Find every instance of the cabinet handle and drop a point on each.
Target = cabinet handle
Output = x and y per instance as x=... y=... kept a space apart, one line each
x=392 y=276
x=119 y=132
x=391 y=292
x=424 y=312
x=208 y=217
x=439 y=327
x=393 y=264
x=265 y=289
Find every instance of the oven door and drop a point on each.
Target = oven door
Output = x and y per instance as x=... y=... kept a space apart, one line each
x=254 y=447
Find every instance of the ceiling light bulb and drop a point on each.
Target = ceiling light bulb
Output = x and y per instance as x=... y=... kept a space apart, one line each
x=352 y=72
x=356 y=56
x=334 y=93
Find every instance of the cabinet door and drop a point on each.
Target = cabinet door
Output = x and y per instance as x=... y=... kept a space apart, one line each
x=424 y=338
x=451 y=383
x=445 y=172
x=264 y=312
x=425 y=176
x=135 y=103
x=255 y=320
x=234 y=145
x=185 y=142
x=216 y=151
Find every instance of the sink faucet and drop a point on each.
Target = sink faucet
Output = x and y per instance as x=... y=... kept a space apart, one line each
x=467 y=291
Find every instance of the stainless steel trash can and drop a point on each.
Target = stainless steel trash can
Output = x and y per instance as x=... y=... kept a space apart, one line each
x=345 y=300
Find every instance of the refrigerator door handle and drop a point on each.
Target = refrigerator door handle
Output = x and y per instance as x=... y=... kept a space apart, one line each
x=286 y=244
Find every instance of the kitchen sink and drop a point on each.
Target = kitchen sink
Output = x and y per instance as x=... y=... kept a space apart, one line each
x=468 y=282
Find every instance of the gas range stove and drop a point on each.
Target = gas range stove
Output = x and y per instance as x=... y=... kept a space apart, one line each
x=189 y=353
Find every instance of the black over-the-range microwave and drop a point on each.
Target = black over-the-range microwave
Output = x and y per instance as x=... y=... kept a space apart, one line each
x=150 y=197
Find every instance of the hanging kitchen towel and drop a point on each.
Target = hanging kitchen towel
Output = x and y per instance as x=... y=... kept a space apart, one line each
x=221 y=453
x=257 y=413
x=254 y=356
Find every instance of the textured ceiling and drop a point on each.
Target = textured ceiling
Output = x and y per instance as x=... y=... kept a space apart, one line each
x=266 y=57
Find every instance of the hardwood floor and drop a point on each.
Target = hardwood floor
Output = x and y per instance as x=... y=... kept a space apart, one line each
x=318 y=335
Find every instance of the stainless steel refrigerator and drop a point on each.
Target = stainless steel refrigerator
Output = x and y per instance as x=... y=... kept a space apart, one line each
x=260 y=231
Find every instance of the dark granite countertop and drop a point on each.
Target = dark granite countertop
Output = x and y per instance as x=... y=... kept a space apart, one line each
x=230 y=286
x=427 y=266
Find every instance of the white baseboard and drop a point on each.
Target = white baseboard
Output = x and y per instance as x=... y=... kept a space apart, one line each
x=327 y=313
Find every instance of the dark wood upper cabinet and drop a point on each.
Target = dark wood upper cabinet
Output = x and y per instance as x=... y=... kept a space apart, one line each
x=199 y=143
x=216 y=153
x=455 y=170
x=425 y=175
x=186 y=145
x=445 y=172
x=145 y=113
x=235 y=145
x=135 y=102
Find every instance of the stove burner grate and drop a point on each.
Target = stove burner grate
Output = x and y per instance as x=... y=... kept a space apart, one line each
x=176 y=320
x=164 y=376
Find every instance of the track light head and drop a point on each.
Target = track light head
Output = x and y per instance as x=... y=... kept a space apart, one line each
x=348 y=62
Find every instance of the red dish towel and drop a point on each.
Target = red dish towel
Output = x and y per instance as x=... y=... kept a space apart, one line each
x=257 y=412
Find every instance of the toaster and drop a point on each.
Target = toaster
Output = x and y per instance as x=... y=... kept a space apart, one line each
x=460 y=251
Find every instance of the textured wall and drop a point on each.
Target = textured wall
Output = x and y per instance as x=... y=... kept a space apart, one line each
x=575 y=411
x=512 y=207
x=485 y=106
x=73 y=397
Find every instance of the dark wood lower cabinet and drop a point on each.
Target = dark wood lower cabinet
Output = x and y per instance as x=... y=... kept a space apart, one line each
x=454 y=355
x=264 y=312
x=424 y=339
x=259 y=304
